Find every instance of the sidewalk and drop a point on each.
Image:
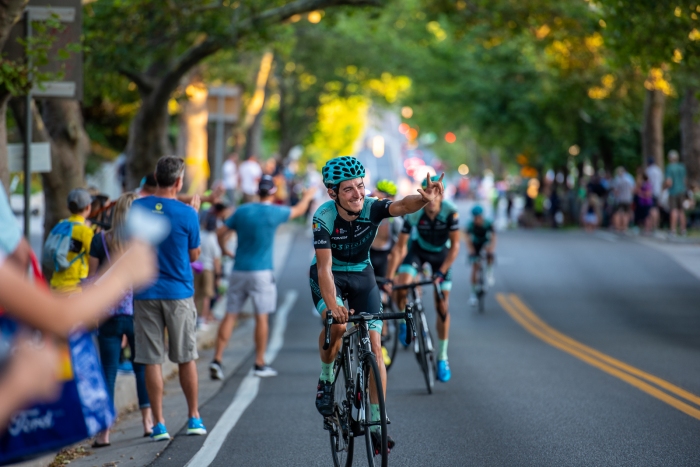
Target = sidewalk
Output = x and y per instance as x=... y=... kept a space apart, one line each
x=129 y=448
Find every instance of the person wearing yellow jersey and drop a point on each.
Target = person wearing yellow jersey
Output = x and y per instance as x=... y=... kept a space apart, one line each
x=68 y=280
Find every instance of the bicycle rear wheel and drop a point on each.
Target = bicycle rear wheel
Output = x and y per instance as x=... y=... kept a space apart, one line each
x=339 y=426
x=373 y=380
x=391 y=342
x=425 y=355
x=482 y=290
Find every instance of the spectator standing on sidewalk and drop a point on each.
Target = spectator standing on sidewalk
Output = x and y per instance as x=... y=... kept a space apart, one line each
x=110 y=334
x=644 y=202
x=230 y=177
x=205 y=281
x=676 y=183
x=249 y=174
x=253 y=275
x=168 y=304
x=68 y=280
x=623 y=191
x=656 y=178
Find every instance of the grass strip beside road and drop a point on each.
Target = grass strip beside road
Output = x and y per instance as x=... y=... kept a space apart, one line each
x=641 y=380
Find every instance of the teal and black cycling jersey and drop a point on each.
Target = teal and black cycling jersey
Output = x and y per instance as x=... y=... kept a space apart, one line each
x=433 y=234
x=480 y=234
x=349 y=241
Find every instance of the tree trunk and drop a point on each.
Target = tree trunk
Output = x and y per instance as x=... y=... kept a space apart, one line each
x=10 y=11
x=256 y=108
x=4 y=163
x=690 y=134
x=61 y=124
x=70 y=146
x=653 y=127
x=148 y=140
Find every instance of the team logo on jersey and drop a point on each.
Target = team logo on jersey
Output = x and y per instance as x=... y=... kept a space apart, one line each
x=317 y=227
x=340 y=231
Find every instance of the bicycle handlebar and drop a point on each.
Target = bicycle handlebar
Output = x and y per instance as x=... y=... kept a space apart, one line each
x=329 y=321
x=413 y=285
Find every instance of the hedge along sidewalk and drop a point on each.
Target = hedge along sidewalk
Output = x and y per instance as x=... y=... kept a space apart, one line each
x=128 y=446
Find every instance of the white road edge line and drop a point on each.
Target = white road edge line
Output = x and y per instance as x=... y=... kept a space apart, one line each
x=247 y=391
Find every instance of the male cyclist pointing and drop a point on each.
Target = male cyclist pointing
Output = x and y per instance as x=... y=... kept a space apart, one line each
x=344 y=229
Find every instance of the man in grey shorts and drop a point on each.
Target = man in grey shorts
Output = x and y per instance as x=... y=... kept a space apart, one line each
x=252 y=275
x=168 y=303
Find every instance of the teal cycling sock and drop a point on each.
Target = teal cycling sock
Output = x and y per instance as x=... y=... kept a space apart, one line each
x=326 y=372
x=442 y=349
x=374 y=414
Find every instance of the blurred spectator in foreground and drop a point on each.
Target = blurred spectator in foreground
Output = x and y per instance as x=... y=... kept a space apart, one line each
x=230 y=177
x=168 y=304
x=623 y=192
x=12 y=244
x=31 y=371
x=656 y=178
x=120 y=325
x=249 y=173
x=676 y=183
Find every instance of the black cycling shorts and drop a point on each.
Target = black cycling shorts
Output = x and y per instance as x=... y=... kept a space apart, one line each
x=417 y=257
x=380 y=261
x=359 y=288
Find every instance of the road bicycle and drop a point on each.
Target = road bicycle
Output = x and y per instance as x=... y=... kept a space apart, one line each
x=480 y=285
x=423 y=343
x=356 y=372
x=390 y=331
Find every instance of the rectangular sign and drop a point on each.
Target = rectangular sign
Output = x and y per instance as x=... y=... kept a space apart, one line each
x=69 y=13
x=40 y=161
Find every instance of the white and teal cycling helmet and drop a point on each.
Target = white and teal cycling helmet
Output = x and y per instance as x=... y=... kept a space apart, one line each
x=340 y=169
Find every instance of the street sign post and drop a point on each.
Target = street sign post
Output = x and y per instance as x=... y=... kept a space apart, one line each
x=68 y=12
x=223 y=104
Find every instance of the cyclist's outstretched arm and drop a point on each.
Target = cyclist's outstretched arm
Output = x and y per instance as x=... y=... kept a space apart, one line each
x=452 y=252
x=413 y=203
x=302 y=206
x=398 y=253
x=324 y=263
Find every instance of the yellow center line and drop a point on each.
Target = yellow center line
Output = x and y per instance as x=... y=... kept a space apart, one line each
x=529 y=314
x=566 y=344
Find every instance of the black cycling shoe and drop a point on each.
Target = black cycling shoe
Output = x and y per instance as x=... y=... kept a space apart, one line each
x=324 y=398
x=377 y=442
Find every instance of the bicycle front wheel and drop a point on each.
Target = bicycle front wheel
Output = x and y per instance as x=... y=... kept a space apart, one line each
x=342 y=442
x=425 y=354
x=376 y=455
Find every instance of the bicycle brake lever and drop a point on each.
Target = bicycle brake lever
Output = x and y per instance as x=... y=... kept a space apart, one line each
x=327 y=324
x=409 y=318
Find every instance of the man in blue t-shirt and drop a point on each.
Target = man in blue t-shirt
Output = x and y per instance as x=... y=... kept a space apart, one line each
x=252 y=275
x=168 y=303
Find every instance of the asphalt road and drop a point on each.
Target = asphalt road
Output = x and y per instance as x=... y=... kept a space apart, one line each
x=514 y=398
